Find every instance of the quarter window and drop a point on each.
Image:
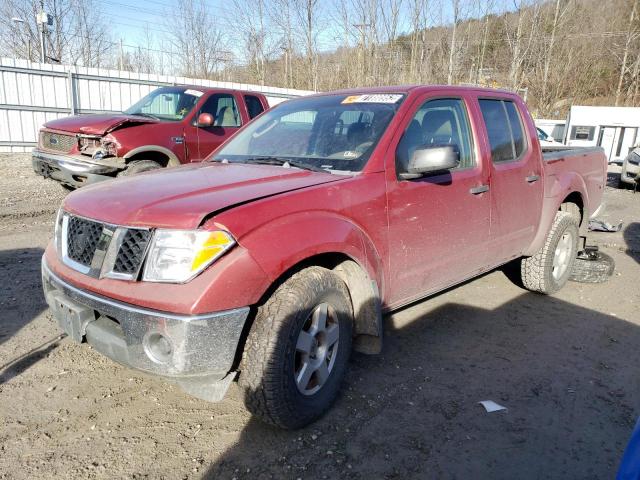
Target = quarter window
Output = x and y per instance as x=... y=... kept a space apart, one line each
x=504 y=129
x=436 y=123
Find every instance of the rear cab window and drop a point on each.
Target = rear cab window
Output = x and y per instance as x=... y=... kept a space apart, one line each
x=254 y=106
x=504 y=129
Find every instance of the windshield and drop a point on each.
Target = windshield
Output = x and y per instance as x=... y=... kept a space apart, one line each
x=169 y=104
x=542 y=135
x=334 y=132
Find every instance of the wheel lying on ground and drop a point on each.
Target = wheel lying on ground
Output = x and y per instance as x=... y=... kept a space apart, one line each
x=592 y=269
x=139 y=166
x=297 y=350
x=548 y=270
x=67 y=188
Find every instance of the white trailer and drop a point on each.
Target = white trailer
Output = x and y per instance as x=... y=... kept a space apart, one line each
x=553 y=128
x=616 y=129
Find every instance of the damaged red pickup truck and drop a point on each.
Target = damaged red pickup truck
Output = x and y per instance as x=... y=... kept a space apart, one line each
x=271 y=261
x=168 y=127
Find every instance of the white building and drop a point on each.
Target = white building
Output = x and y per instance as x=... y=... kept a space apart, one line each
x=616 y=129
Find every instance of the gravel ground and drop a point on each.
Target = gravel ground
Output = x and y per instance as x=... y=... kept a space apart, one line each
x=565 y=366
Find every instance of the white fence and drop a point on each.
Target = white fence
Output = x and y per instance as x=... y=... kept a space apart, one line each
x=34 y=93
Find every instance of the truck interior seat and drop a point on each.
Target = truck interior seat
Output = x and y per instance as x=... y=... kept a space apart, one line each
x=440 y=127
x=225 y=118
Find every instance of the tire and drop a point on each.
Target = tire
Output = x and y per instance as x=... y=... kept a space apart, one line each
x=573 y=209
x=67 y=188
x=593 y=270
x=139 y=166
x=549 y=269
x=274 y=355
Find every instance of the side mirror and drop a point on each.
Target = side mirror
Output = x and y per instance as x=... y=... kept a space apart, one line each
x=204 y=120
x=431 y=159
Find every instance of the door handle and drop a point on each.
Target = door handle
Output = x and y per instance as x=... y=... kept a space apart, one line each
x=532 y=178
x=478 y=190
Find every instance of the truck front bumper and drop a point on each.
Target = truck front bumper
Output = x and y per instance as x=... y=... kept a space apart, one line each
x=630 y=172
x=197 y=352
x=70 y=170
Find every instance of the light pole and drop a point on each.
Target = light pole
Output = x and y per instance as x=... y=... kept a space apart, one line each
x=43 y=21
x=19 y=21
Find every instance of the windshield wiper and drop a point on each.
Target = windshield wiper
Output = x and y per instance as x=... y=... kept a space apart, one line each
x=144 y=115
x=285 y=162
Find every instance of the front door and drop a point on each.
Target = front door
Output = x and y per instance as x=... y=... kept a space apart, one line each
x=516 y=180
x=201 y=141
x=438 y=224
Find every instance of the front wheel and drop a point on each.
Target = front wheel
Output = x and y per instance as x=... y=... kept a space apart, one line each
x=549 y=269
x=297 y=350
x=139 y=166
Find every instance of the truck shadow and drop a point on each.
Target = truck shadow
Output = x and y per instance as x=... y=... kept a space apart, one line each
x=568 y=376
x=21 y=301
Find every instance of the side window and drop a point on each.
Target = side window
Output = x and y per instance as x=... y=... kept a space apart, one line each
x=224 y=109
x=254 y=106
x=504 y=128
x=516 y=128
x=436 y=123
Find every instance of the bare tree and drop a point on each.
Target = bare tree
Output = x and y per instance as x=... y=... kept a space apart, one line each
x=308 y=17
x=197 y=39
x=79 y=34
x=455 y=4
x=631 y=35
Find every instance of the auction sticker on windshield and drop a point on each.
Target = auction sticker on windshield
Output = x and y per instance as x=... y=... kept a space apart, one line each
x=373 y=98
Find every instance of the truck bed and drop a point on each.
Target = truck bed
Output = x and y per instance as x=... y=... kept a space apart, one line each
x=563 y=163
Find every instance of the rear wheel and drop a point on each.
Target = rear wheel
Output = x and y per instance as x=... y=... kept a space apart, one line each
x=298 y=348
x=139 y=166
x=549 y=269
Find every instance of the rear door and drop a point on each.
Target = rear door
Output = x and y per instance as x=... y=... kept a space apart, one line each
x=438 y=224
x=516 y=177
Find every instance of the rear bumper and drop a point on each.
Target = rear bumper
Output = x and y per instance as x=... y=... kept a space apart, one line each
x=70 y=170
x=196 y=352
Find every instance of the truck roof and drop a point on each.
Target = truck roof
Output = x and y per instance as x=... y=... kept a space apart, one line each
x=213 y=89
x=412 y=88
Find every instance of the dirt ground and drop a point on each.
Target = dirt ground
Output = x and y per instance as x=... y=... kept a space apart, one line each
x=565 y=366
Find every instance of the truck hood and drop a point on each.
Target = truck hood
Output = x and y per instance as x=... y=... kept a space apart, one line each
x=182 y=197
x=96 y=124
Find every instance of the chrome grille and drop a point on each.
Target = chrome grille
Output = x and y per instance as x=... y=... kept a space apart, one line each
x=131 y=251
x=82 y=239
x=101 y=249
x=57 y=141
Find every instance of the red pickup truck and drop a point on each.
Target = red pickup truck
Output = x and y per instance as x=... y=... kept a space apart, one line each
x=271 y=261
x=168 y=127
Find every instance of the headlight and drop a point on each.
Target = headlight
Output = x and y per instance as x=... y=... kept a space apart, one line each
x=109 y=147
x=177 y=256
